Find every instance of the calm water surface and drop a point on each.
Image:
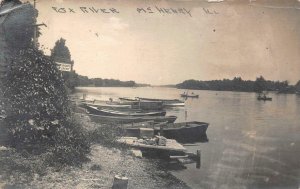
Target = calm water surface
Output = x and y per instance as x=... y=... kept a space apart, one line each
x=252 y=144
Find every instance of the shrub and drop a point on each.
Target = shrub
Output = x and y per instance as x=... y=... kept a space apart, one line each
x=39 y=116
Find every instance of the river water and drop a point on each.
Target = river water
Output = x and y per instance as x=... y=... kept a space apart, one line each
x=252 y=144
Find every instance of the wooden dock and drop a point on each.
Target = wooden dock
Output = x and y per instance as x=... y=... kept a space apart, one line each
x=171 y=145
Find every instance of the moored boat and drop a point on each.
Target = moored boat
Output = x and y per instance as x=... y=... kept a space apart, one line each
x=149 y=105
x=113 y=107
x=128 y=99
x=131 y=119
x=165 y=102
x=174 y=105
x=110 y=112
x=142 y=104
x=185 y=132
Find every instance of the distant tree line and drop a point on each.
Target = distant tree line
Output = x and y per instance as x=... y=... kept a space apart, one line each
x=99 y=82
x=238 y=84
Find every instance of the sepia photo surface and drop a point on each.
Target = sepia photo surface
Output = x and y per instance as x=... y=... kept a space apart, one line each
x=150 y=94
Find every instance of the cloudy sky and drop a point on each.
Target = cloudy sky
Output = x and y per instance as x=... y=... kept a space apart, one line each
x=236 y=38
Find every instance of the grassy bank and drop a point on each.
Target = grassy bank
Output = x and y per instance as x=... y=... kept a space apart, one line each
x=106 y=159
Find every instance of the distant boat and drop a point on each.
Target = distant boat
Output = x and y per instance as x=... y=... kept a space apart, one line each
x=185 y=132
x=186 y=95
x=109 y=112
x=264 y=97
x=131 y=119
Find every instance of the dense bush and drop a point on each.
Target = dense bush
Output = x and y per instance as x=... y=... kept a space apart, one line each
x=39 y=117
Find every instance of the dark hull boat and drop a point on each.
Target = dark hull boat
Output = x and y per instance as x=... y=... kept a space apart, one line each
x=108 y=112
x=131 y=119
x=264 y=98
x=189 y=96
x=186 y=132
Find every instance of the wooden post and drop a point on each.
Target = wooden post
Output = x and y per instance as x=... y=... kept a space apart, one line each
x=198 y=163
x=120 y=182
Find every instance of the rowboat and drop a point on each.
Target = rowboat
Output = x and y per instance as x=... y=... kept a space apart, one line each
x=130 y=119
x=109 y=112
x=122 y=102
x=142 y=104
x=128 y=99
x=264 y=98
x=111 y=106
x=165 y=102
x=185 y=132
x=149 y=105
x=174 y=105
x=185 y=95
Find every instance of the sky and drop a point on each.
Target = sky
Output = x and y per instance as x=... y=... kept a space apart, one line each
x=235 y=38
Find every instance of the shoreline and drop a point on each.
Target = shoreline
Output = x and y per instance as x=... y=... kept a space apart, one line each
x=21 y=171
x=193 y=89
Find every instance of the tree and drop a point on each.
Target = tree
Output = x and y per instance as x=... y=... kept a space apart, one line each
x=60 y=53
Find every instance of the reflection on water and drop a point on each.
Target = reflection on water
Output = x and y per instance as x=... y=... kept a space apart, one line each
x=252 y=144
